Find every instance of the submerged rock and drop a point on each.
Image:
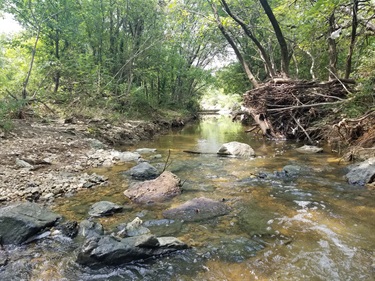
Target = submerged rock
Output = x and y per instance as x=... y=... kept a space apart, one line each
x=235 y=148
x=164 y=227
x=164 y=187
x=19 y=222
x=361 y=173
x=309 y=149
x=197 y=209
x=104 y=208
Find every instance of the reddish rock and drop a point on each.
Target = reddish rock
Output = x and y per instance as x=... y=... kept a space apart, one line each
x=164 y=187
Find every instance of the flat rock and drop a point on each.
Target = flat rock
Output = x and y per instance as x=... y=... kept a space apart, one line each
x=19 y=222
x=108 y=250
x=236 y=148
x=164 y=187
x=197 y=209
x=309 y=149
x=104 y=208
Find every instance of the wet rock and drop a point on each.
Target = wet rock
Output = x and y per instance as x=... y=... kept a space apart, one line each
x=3 y=257
x=108 y=250
x=197 y=209
x=143 y=171
x=90 y=229
x=133 y=228
x=309 y=149
x=164 y=187
x=104 y=208
x=292 y=170
x=361 y=173
x=164 y=227
x=21 y=221
x=235 y=148
x=68 y=229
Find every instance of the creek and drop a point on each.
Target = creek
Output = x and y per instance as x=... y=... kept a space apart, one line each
x=312 y=226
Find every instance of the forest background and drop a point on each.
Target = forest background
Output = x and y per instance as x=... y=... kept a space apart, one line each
x=150 y=58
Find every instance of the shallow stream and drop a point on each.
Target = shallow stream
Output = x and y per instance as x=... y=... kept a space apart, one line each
x=310 y=227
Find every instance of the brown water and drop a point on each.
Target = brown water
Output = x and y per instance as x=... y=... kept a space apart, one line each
x=312 y=227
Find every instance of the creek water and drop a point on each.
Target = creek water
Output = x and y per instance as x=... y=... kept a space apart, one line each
x=312 y=226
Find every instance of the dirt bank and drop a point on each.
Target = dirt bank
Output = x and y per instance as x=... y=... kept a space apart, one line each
x=43 y=161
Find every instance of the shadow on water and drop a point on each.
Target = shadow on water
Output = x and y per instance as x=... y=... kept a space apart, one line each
x=312 y=226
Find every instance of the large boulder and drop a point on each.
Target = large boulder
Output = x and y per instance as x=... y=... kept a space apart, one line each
x=164 y=187
x=197 y=209
x=143 y=171
x=361 y=173
x=21 y=221
x=109 y=250
x=104 y=208
x=236 y=148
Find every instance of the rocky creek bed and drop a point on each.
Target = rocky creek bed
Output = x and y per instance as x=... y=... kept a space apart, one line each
x=40 y=162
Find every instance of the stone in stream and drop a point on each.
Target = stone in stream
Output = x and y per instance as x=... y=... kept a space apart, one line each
x=104 y=208
x=143 y=171
x=19 y=222
x=133 y=228
x=361 y=173
x=309 y=149
x=235 y=148
x=197 y=209
x=90 y=229
x=164 y=187
x=145 y=150
x=109 y=250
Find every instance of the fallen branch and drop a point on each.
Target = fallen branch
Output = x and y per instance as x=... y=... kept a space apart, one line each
x=306 y=105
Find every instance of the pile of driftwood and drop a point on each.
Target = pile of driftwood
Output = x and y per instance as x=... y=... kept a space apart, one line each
x=286 y=109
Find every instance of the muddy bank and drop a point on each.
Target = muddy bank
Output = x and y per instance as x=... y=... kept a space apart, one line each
x=42 y=161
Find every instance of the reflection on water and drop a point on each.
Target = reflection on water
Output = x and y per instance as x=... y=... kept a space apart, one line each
x=311 y=227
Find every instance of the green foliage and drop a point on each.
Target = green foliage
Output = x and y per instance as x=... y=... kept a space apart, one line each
x=141 y=56
x=364 y=99
x=9 y=109
x=232 y=79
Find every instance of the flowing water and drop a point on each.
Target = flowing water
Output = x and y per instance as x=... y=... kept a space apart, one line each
x=310 y=227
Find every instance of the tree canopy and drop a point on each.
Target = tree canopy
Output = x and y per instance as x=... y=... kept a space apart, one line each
x=159 y=54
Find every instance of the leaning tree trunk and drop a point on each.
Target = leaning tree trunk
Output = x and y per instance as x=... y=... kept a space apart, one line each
x=239 y=56
x=285 y=59
x=332 y=50
x=348 y=69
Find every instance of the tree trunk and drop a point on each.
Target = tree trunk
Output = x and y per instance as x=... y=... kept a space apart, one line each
x=348 y=68
x=248 y=32
x=285 y=59
x=26 y=82
x=245 y=66
x=332 y=49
